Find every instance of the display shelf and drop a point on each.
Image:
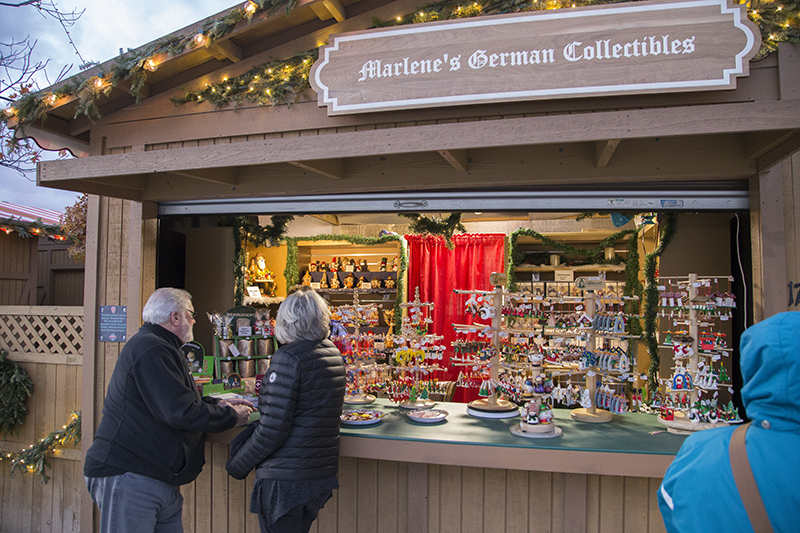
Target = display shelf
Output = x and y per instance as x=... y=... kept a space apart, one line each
x=690 y=398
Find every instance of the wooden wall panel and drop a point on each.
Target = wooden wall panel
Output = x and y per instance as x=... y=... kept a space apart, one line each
x=28 y=504
x=791 y=217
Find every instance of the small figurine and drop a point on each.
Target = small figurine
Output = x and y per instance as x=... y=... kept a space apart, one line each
x=307 y=278
x=312 y=267
x=364 y=266
x=323 y=267
x=375 y=283
x=335 y=283
x=323 y=283
x=333 y=266
x=260 y=272
x=389 y=283
x=361 y=283
x=394 y=264
x=349 y=281
x=382 y=267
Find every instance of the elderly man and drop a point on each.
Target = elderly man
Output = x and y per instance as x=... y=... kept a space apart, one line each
x=150 y=439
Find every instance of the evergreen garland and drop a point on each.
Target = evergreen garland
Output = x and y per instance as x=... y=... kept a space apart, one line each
x=651 y=301
x=32 y=229
x=34 y=458
x=436 y=226
x=777 y=23
x=516 y=256
x=15 y=389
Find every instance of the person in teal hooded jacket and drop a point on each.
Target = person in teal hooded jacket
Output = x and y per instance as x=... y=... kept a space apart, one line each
x=698 y=492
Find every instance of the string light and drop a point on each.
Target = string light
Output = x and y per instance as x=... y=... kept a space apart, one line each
x=151 y=65
x=250 y=8
x=199 y=39
x=98 y=83
x=9 y=111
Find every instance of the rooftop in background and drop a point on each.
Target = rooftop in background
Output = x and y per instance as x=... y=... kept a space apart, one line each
x=25 y=213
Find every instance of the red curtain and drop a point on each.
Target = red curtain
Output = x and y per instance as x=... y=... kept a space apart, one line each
x=437 y=271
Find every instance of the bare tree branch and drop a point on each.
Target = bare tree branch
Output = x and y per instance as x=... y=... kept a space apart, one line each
x=18 y=76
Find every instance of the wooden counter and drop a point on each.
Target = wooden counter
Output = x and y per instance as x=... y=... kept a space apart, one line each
x=472 y=474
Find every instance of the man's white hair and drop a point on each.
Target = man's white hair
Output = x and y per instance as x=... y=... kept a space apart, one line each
x=163 y=302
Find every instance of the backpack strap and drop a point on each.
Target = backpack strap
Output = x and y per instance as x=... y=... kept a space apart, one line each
x=746 y=483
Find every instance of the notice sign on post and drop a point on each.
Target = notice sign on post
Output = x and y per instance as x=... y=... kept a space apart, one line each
x=113 y=323
x=629 y=48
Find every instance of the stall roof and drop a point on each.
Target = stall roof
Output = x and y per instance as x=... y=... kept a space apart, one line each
x=155 y=151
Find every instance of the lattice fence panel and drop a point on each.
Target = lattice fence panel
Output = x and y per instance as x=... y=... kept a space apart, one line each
x=42 y=330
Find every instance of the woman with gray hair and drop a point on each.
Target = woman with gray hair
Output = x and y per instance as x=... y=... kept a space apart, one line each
x=294 y=446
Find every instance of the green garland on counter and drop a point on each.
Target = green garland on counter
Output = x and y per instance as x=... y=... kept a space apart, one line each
x=34 y=458
x=15 y=389
x=435 y=226
x=776 y=21
x=651 y=301
x=292 y=270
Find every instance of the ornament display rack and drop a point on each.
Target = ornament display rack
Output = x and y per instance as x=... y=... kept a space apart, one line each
x=489 y=363
x=414 y=349
x=359 y=350
x=597 y=340
x=693 y=306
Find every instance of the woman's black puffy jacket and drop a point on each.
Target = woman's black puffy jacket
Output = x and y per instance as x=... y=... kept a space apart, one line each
x=297 y=435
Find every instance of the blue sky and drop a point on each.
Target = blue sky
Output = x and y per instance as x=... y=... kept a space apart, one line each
x=105 y=27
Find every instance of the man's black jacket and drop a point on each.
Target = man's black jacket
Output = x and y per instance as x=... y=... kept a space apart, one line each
x=154 y=417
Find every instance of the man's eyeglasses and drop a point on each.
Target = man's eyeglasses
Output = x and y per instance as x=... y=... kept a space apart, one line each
x=193 y=314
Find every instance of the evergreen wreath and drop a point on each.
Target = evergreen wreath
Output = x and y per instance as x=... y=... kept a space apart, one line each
x=15 y=389
x=436 y=226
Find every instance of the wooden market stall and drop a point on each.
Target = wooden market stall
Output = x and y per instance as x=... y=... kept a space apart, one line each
x=189 y=142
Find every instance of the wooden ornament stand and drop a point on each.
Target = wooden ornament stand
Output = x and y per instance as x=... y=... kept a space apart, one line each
x=492 y=406
x=591 y=414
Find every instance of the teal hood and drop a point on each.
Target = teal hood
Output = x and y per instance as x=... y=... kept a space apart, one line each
x=770 y=364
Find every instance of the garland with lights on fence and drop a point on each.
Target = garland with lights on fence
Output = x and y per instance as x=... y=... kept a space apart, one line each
x=15 y=389
x=34 y=458
x=274 y=82
x=31 y=229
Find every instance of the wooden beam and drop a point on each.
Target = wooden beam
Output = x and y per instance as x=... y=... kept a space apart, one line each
x=136 y=181
x=779 y=153
x=226 y=49
x=327 y=9
x=759 y=143
x=457 y=158
x=604 y=150
x=330 y=168
x=217 y=175
x=524 y=131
